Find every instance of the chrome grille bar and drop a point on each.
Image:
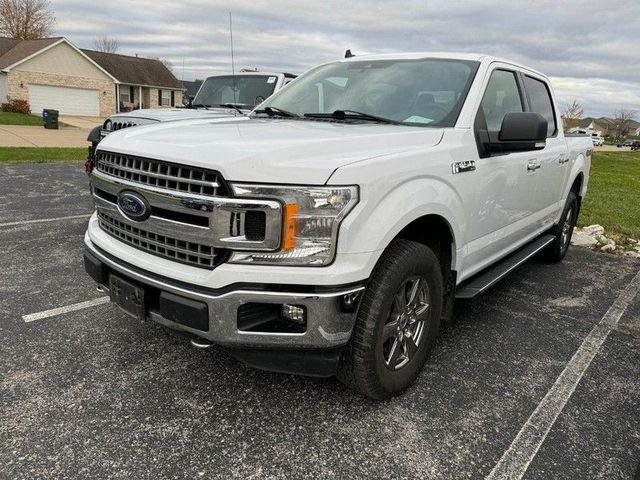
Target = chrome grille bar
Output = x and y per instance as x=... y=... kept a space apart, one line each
x=191 y=253
x=160 y=174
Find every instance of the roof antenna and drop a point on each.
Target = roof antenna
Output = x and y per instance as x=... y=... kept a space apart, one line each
x=233 y=65
x=348 y=54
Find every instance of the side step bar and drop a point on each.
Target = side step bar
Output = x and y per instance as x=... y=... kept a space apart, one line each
x=487 y=278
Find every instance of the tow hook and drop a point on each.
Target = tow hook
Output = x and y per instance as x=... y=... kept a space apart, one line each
x=201 y=343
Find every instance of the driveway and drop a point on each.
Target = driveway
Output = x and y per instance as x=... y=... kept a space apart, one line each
x=25 y=136
x=87 y=123
x=537 y=379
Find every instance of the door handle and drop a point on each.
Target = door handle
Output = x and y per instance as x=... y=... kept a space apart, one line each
x=563 y=159
x=532 y=165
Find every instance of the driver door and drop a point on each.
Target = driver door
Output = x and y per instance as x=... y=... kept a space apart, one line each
x=504 y=184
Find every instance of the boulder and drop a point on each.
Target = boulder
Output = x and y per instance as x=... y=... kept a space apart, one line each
x=608 y=248
x=581 y=239
x=594 y=230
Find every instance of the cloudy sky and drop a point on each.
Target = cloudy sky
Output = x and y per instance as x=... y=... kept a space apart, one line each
x=591 y=50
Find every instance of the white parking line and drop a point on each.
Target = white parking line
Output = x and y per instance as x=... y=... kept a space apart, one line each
x=66 y=309
x=523 y=449
x=43 y=220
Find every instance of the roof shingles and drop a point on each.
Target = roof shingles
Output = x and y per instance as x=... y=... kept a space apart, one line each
x=135 y=70
x=12 y=50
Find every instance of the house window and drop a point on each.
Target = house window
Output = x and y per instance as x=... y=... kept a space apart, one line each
x=166 y=98
x=125 y=95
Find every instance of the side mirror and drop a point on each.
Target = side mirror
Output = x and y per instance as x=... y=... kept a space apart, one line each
x=186 y=100
x=520 y=131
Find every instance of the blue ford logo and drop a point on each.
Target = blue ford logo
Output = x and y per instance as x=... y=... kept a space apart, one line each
x=133 y=205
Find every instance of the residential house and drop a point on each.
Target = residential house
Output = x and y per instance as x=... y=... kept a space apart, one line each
x=54 y=73
x=191 y=88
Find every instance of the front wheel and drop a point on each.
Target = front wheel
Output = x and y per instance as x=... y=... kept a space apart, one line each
x=397 y=322
x=563 y=230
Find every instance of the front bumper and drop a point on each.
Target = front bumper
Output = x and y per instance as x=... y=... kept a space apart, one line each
x=330 y=312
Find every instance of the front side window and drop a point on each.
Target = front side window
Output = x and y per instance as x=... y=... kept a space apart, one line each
x=166 y=98
x=540 y=102
x=502 y=96
x=422 y=92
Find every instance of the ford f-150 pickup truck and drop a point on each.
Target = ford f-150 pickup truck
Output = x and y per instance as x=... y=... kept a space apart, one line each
x=331 y=232
x=218 y=96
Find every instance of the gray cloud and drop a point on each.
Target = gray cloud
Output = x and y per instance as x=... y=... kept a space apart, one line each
x=590 y=50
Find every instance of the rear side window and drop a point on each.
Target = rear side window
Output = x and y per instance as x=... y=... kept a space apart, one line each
x=540 y=102
x=502 y=96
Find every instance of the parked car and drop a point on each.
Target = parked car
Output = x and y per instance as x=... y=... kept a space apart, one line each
x=330 y=232
x=597 y=141
x=625 y=143
x=218 y=96
x=635 y=145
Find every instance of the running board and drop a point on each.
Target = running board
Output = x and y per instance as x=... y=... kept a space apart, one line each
x=482 y=281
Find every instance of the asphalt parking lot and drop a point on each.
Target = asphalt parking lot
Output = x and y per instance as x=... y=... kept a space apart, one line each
x=93 y=393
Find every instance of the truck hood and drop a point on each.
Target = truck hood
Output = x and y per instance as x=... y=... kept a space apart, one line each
x=269 y=150
x=169 y=114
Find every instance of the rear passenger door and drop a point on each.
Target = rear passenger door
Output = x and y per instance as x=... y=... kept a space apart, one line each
x=553 y=160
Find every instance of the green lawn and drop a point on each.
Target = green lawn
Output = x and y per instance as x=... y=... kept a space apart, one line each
x=613 y=198
x=41 y=154
x=7 y=118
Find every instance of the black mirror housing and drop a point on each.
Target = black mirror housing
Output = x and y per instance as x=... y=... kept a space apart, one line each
x=520 y=131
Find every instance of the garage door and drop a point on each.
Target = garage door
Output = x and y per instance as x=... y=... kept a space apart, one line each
x=69 y=101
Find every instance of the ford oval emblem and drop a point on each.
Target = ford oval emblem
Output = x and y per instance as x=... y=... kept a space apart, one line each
x=133 y=205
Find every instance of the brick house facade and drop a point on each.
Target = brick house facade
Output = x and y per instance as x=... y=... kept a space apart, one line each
x=53 y=73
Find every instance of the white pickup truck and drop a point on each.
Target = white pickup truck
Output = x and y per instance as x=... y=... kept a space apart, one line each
x=331 y=232
x=218 y=96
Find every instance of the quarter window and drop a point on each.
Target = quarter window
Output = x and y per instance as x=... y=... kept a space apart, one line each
x=540 y=102
x=502 y=96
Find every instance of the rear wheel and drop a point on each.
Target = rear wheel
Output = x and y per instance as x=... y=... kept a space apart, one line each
x=397 y=322
x=563 y=230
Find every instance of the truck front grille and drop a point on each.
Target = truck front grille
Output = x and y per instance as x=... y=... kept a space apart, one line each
x=160 y=174
x=190 y=253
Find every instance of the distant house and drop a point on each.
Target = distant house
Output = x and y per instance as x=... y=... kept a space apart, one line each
x=54 y=73
x=191 y=88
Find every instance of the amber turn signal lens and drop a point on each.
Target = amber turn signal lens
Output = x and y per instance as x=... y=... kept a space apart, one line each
x=289 y=226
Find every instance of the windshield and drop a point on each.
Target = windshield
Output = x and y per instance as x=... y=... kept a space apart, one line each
x=425 y=92
x=249 y=91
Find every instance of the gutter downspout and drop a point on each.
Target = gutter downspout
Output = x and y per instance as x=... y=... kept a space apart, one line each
x=117 y=98
x=140 y=97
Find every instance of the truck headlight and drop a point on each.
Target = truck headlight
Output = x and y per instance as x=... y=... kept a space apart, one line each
x=311 y=218
x=107 y=125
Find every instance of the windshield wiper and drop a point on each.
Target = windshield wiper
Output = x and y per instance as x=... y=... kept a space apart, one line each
x=200 y=105
x=275 y=111
x=352 y=114
x=234 y=106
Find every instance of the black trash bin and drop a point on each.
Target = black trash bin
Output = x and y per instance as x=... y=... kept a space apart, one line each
x=50 y=118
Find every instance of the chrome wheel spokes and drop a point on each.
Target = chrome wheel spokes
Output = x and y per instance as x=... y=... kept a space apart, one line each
x=402 y=334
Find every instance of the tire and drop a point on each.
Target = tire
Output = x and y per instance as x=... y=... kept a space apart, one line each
x=389 y=315
x=563 y=231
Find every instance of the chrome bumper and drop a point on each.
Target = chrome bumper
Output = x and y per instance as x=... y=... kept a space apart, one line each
x=328 y=324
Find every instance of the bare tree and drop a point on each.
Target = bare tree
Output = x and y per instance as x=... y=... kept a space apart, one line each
x=106 y=44
x=572 y=114
x=165 y=62
x=26 y=19
x=622 y=120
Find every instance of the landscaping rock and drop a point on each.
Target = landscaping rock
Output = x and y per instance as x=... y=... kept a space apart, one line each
x=594 y=230
x=581 y=239
x=608 y=248
x=632 y=254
